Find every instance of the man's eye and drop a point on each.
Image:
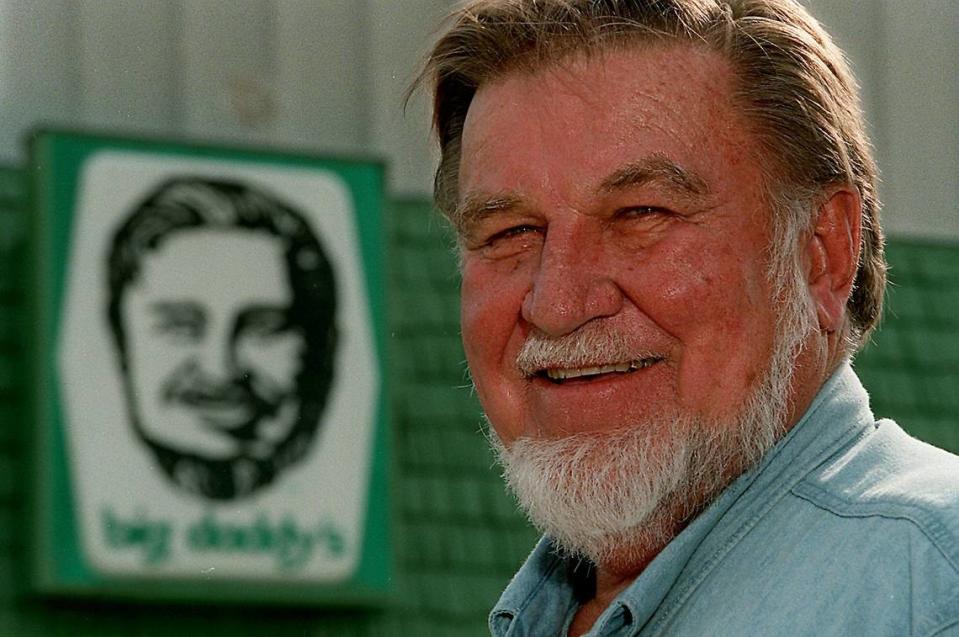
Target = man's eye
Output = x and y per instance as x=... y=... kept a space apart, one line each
x=512 y=241
x=634 y=212
x=180 y=329
x=509 y=233
x=264 y=323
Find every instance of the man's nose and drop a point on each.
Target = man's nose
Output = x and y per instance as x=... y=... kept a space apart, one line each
x=572 y=285
x=217 y=356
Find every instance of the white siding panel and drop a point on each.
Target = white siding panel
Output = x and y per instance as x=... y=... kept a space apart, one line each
x=920 y=117
x=38 y=71
x=129 y=65
x=401 y=35
x=323 y=75
x=228 y=54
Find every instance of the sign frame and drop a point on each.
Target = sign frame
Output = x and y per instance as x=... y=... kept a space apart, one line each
x=59 y=565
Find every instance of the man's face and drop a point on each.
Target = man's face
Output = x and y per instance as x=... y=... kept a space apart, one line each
x=618 y=197
x=212 y=360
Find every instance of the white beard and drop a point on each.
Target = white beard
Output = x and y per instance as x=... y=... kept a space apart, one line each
x=612 y=495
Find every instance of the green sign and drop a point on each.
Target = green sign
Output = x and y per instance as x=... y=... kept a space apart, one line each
x=208 y=386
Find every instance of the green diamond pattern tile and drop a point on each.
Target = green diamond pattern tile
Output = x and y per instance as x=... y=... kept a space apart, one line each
x=10 y=317
x=11 y=478
x=11 y=186
x=912 y=366
x=10 y=420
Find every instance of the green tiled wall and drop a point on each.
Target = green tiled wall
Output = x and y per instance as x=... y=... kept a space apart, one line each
x=912 y=367
x=458 y=537
x=11 y=464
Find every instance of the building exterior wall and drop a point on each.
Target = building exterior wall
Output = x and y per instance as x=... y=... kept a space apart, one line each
x=330 y=76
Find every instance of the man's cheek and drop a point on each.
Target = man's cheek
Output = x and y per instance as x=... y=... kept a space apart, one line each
x=718 y=308
x=477 y=341
x=692 y=281
x=488 y=315
x=278 y=360
x=157 y=372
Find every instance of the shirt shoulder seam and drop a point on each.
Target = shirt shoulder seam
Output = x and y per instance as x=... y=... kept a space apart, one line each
x=794 y=475
x=931 y=528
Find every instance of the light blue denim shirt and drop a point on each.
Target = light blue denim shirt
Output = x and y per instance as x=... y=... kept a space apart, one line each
x=847 y=527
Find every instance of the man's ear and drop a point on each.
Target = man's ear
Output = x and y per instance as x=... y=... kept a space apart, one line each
x=833 y=255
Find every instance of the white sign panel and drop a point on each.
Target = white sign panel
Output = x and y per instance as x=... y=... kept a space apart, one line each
x=217 y=370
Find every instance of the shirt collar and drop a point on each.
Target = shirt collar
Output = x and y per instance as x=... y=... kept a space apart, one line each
x=541 y=591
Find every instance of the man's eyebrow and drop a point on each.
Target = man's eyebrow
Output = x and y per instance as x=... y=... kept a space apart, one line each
x=657 y=169
x=476 y=207
x=190 y=310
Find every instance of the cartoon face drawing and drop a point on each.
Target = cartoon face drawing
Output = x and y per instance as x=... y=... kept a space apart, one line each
x=222 y=306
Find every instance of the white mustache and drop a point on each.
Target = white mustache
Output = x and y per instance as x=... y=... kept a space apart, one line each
x=592 y=345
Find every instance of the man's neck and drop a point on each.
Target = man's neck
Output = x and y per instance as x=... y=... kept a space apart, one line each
x=609 y=584
x=615 y=574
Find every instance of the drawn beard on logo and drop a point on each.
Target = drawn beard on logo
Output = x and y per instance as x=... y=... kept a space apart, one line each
x=259 y=428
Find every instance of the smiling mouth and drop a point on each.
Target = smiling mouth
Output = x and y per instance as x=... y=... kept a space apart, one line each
x=560 y=375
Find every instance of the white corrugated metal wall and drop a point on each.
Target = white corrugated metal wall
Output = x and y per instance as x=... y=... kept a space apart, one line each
x=329 y=76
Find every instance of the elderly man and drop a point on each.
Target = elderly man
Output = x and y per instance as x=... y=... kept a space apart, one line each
x=670 y=251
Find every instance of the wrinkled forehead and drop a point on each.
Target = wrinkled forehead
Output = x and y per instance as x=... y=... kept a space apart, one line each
x=592 y=116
